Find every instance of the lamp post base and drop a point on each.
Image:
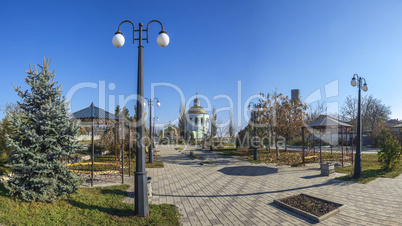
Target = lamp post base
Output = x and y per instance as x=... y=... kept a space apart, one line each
x=141 y=195
x=255 y=154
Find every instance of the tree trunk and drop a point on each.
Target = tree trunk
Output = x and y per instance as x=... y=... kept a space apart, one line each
x=276 y=147
x=286 y=145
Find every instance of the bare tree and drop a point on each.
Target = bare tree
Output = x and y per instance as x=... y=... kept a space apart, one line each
x=373 y=111
x=315 y=111
x=231 y=129
x=221 y=131
x=349 y=109
x=214 y=123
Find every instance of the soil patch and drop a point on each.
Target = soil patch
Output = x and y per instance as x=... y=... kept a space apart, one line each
x=312 y=205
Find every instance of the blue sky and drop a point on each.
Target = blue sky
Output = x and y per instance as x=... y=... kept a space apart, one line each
x=214 y=46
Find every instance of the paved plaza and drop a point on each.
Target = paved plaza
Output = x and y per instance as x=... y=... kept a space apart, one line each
x=235 y=192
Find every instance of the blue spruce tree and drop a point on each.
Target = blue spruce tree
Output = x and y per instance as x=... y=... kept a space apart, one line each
x=42 y=135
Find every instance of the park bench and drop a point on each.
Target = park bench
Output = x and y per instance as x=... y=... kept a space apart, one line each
x=313 y=158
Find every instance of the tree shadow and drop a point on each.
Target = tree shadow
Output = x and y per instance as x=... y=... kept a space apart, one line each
x=313 y=176
x=293 y=213
x=113 y=192
x=248 y=171
x=120 y=212
x=3 y=190
x=332 y=182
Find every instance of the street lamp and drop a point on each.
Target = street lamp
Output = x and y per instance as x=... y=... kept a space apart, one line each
x=356 y=80
x=151 y=151
x=140 y=180
x=203 y=131
x=253 y=107
x=210 y=147
x=156 y=119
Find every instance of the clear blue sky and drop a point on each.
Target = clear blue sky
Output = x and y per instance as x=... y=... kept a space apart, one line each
x=213 y=45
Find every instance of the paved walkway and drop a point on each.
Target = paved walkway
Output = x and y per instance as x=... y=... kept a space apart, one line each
x=234 y=192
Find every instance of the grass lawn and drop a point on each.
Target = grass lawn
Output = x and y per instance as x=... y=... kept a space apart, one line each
x=285 y=158
x=89 y=206
x=86 y=142
x=265 y=156
x=371 y=169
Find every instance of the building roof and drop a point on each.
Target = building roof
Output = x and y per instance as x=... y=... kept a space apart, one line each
x=94 y=112
x=196 y=109
x=397 y=126
x=327 y=121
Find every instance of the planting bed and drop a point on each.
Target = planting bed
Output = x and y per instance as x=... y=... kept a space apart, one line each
x=311 y=207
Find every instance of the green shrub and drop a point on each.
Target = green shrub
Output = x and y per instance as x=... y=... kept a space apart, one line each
x=99 y=148
x=390 y=152
x=4 y=170
x=180 y=141
x=296 y=141
x=3 y=158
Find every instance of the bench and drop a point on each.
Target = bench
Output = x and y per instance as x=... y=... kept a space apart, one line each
x=313 y=157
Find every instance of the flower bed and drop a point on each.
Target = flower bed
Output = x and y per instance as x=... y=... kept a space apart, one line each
x=99 y=168
x=308 y=206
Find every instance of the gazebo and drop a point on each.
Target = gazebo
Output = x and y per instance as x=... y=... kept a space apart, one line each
x=325 y=122
x=90 y=114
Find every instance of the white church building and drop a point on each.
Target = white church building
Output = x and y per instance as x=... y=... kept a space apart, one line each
x=197 y=122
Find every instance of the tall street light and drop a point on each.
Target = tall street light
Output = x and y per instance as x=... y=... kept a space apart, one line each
x=156 y=119
x=253 y=107
x=203 y=131
x=210 y=147
x=140 y=179
x=151 y=151
x=356 y=80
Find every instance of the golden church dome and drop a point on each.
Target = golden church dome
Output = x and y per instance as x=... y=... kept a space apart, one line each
x=196 y=109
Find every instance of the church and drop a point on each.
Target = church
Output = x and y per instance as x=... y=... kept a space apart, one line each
x=197 y=122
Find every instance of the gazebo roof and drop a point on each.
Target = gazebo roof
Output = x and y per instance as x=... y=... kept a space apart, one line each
x=94 y=112
x=327 y=121
x=397 y=126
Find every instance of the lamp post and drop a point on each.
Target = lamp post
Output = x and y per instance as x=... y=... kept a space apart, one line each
x=140 y=180
x=210 y=147
x=356 y=80
x=156 y=119
x=151 y=151
x=203 y=131
x=253 y=107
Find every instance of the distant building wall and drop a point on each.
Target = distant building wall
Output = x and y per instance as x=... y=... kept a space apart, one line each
x=295 y=94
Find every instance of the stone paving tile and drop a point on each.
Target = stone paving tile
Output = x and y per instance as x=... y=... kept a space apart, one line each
x=235 y=192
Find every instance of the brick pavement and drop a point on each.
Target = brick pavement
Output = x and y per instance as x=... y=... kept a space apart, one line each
x=235 y=192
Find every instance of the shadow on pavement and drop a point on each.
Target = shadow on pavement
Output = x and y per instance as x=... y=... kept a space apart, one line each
x=248 y=170
x=293 y=213
x=313 y=176
x=332 y=182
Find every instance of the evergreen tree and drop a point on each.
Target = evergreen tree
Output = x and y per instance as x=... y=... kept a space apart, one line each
x=42 y=135
x=182 y=121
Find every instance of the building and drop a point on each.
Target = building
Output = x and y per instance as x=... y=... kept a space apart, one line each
x=397 y=130
x=197 y=122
